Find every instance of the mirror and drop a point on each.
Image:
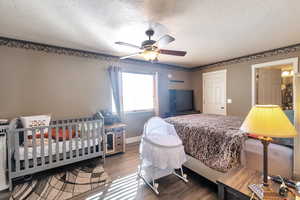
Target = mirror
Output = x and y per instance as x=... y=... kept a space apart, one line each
x=274 y=85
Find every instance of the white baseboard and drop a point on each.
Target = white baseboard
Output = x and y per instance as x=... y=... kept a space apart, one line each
x=3 y=187
x=133 y=139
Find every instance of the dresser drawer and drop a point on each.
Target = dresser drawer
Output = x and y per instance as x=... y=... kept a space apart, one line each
x=119 y=138
x=119 y=146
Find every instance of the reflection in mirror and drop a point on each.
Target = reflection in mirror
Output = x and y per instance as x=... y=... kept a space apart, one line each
x=274 y=85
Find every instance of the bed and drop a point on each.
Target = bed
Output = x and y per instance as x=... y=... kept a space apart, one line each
x=32 y=150
x=215 y=145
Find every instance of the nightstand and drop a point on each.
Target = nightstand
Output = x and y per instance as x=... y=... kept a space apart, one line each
x=234 y=185
x=115 y=138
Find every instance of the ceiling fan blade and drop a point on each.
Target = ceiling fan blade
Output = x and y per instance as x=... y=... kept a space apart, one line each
x=171 y=52
x=164 y=40
x=128 y=45
x=131 y=55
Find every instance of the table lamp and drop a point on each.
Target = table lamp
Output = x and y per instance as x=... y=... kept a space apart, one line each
x=265 y=122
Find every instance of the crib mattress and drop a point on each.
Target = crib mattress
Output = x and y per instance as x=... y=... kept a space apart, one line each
x=60 y=148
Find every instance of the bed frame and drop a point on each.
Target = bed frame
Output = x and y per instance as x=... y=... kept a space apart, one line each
x=251 y=158
x=87 y=143
x=201 y=169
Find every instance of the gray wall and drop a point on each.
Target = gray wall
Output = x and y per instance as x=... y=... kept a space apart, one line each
x=35 y=82
x=238 y=84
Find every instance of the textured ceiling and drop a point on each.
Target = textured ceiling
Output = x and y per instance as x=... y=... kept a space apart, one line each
x=209 y=30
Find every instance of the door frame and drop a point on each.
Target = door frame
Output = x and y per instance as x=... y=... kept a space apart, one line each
x=296 y=98
x=223 y=72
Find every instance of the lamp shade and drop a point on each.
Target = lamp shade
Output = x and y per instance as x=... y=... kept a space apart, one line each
x=268 y=121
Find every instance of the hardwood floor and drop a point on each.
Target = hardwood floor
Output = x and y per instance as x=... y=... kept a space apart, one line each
x=125 y=184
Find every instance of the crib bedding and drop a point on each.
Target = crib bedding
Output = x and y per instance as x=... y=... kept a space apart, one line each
x=60 y=148
x=215 y=140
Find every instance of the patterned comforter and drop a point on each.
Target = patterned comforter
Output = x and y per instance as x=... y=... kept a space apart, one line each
x=215 y=140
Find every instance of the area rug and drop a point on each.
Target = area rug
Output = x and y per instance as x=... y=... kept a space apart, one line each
x=63 y=183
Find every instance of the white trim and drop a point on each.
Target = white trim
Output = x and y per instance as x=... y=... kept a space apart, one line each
x=139 y=111
x=279 y=62
x=133 y=139
x=3 y=187
x=296 y=83
x=113 y=144
x=215 y=72
x=211 y=73
x=297 y=125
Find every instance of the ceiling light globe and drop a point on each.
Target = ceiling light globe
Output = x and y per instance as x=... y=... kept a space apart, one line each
x=150 y=55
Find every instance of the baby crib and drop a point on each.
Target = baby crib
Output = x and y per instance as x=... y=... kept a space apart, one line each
x=61 y=143
x=161 y=152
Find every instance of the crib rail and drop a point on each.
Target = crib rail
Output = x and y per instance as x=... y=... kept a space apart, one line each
x=63 y=142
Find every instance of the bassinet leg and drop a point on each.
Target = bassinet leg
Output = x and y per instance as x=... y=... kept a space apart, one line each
x=140 y=167
x=154 y=185
x=182 y=176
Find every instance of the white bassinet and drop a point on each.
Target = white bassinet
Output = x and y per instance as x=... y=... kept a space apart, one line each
x=161 y=152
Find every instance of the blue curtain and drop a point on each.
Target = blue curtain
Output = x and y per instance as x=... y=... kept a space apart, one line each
x=115 y=80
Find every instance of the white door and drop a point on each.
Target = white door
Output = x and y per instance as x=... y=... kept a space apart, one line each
x=269 y=86
x=214 y=92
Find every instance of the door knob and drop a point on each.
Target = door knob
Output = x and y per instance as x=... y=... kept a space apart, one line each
x=222 y=108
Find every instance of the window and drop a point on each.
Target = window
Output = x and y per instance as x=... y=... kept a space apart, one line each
x=138 y=91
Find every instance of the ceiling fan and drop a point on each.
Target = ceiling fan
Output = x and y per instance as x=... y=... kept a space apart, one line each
x=150 y=49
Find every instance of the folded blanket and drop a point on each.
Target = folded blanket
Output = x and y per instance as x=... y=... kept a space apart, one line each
x=215 y=140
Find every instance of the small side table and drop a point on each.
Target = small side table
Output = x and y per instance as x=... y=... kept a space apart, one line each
x=115 y=138
x=234 y=185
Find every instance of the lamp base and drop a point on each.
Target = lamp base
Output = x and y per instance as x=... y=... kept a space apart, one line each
x=264 y=192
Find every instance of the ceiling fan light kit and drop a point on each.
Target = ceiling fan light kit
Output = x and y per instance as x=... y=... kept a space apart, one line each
x=150 y=49
x=150 y=55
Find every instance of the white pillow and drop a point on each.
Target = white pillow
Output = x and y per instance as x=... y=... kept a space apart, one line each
x=35 y=121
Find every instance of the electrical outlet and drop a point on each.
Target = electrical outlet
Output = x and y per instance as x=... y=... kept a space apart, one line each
x=229 y=100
